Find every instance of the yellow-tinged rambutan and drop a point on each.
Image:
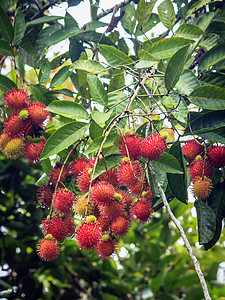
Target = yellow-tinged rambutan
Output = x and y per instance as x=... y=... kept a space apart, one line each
x=62 y=201
x=153 y=146
x=78 y=166
x=120 y=226
x=4 y=139
x=105 y=249
x=88 y=236
x=102 y=193
x=216 y=156
x=14 y=148
x=33 y=151
x=191 y=149
x=90 y=219
x=14 y=125
x=48 y=249
x=132 y=144
x=37 y=112
x=130 y=173
x=56 y=227
x=202 y=187
x=199 y=168
x=141 y=211
x=16 y=99
x=44 y=195
x=80 y=206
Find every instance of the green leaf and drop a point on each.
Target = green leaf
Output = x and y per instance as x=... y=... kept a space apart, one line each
x=61 y=76
x=152 y=22
x=95 y=24
x=167 y=14
x=215 y=237
x=6 y=84
x=45 y=19
x=206 y=222
x=216 y=201
x=128 y=20
x=205 y=19
x=19 y=26
x=166 y=48
x=100 y=118
x=96 y=144
x=167 y=163
x=117 y=81
x=111 y=162
x=189 y=31
x=213 y=56
x=42 y=38
x=42 y=94
x=6 y=29
x=114 y=56
x=95 y=131
x=193 y=9
x=97 y=90
x=216 y=79
x=118 y=100
x=46 y=166
x=209 y=41
x=175 y=67
x=90 y=66
x=144 y=64
x=45 y=71
x=144 y=11
x=145 y=55
x=214 y=137
x=187 y=82
x=68 y=109
x=208 y=97
x=5 y=48
x=62 y=34
x=178 y=182
x=64 y=137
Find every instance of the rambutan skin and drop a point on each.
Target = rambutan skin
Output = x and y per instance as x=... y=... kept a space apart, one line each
x=202 y=187
x=105 y=249
x=44 y=195
x=62 y=201
x=56 y=175
x=14 y=125
x=153 y=146
x=191 y=149
x=84 y=181
x=132 y=143
x=80 y=206
x=16 y=99
x=33 y=151
x=111 y=176
x=48 y=249
x=197 y=168
x=130 y=173
x=70 y=225
x=4 y=139
x=56 y=227
x=120 y=226
x=104 y=223
x=14 y=148
x=88 y=236
x=112 y=210
x=37 y=112
x=216 y=156
x=102 y=193
x=78 y=166
x=141 y=211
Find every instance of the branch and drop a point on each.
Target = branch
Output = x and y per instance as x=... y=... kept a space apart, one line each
x=41 y=11
x=183 y=235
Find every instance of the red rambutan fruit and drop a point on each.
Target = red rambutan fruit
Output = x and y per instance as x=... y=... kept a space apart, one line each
x=56 y=174
x=112 y=210
x=197 y=167
x=14 y=148
x=120 y=226
x=37 y=112
x=103 y=223
x=137 y=188
x=102 y=193
x=127 y=200
x=14 y=125
x=88 y=235
x=62 y=201
x=70 y=225
x=216 y=156
x=48 y=249
x=54 y=226
x=130 y=173
x=106 y=248
x=16 y=99
x=78 y=166
x=141 y=211
x=111 y=177
x=191 y=149
x=33 y=151
x=202 y=187
x=4 y=139
x=44 y=195
x=132 y=143
x=83 y=181
x=153 y=146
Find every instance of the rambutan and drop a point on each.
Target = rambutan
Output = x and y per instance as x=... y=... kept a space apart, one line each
x=106 y=248
x=37 y=112
x=16 y=99
x=78 y=166
x=56 y=175
x=44 y=195
x=191 y=149
x=120 y=226
x=48 y=249
x=81 y=206
x=127 y=200
x=202 y=187
x=62 y=201
x=111 y=177
x=70 y=225
x=56 y=227
x=83 y=181
x=199 y=168
x=141 y=211
x=14 y=125
x=137 y=188
x=216 y=156
x=130 y=173
x=153 y=146
x=112 y=210
x=88 y=236
x=33 y=151
x=102 y=193
x=4 y=139
x=132 y=143
x=103 y=223
x=14 y=148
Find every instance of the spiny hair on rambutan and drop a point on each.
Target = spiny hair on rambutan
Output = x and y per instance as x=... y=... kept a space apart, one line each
x=54 y=226
x=132 y=145
x=153 y=147
x=199 y=168
x=102 y=193
x=88 y=236
x=58 y=173
x=104 y=223
x=130 y=173
x=37 y=112
x=81 y=205
x=111 y=177
x=14 y=148
x=127 y=200
x=62 y=201
x=141 y=211
x=16 y=99
x=216 y=156
x=4 y=139
x=70 y=225
x=106 y=248
x=48 y=249
x=191 y=149
x=120 y=226
x=147 y=196
x=84 y=181
x=78 y=166
x=112 y=210
x=44 y=195
x=14 y=125
x=137 y=188
x=202 y=187
x=33 y=151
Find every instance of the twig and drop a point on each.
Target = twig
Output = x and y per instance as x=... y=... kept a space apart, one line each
x=183 y=235
x=40 y=12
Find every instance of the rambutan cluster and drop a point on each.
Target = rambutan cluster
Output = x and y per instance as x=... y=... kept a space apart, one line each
x=23 y=124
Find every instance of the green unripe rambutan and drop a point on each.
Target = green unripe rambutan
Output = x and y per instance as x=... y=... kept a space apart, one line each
x=23 y=114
